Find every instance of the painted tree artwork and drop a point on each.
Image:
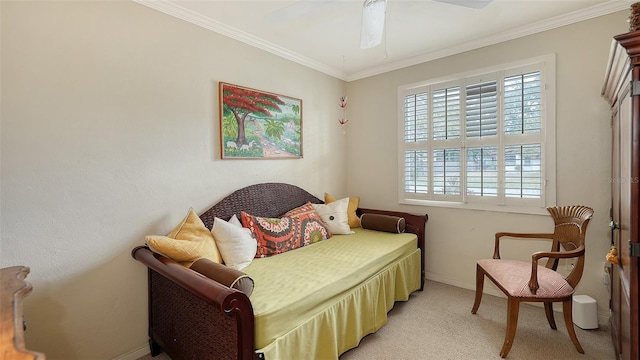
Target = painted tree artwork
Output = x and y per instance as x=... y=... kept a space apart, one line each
x=259 y=125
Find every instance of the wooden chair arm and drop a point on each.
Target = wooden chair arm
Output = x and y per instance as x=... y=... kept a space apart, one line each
x=558 y=255
x=533 y=281
x=496 y=250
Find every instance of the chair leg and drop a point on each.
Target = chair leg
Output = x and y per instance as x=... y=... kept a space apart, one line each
x=513 y=306
x=548 y=309
x=567 y=309
x=479 y=287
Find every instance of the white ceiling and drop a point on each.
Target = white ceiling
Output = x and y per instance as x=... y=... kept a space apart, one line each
x=325 y=35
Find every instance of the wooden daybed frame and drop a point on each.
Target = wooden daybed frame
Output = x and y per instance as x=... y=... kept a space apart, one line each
x=193 y=317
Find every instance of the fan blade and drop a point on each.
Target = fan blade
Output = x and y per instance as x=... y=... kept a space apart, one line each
x=373 y=14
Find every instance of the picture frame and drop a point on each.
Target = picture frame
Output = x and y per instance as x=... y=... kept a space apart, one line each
x=256 y=124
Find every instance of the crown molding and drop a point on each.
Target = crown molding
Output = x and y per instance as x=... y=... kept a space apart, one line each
x=548 y=24
x=171 y=8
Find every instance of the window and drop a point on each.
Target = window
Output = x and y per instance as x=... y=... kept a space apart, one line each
x=482 y=140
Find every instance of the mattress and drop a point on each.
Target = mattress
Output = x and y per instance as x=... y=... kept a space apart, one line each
x=294 y=287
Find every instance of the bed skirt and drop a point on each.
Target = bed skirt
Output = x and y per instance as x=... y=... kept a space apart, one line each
x=359 y=312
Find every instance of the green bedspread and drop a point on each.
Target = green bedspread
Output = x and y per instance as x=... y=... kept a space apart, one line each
x=342 y=286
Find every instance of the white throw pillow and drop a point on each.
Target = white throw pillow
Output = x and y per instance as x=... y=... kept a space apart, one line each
x=235 y=221
x=334 y=215
x=236 y=245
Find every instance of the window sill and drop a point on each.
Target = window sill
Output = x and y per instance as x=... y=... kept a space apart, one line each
x=477 y=206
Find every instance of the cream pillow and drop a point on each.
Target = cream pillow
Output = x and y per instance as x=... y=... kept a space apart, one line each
x=354 y=202
x=236 y=245
x=187 y=242
x=334 y=215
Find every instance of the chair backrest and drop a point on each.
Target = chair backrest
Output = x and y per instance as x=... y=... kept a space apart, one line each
x=569 y=233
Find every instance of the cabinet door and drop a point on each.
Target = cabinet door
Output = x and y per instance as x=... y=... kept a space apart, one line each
x=621 y=180
x=615 y=223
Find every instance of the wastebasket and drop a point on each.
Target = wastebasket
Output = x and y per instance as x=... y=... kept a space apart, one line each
x=585 y=312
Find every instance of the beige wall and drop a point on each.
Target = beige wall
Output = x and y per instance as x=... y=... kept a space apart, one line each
x=457 y=238
x=109 y=133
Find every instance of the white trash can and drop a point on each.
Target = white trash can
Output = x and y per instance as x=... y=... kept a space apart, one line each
x=585 y=312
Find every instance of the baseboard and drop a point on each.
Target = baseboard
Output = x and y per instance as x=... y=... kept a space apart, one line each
x=134 y=354
x=489 y=288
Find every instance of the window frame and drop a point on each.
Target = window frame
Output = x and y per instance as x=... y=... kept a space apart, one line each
x=546 y=64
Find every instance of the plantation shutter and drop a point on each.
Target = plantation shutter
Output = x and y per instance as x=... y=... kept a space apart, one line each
x=482 y=109
x=416 y=129
x=522 y=104
x=416 y=175
x=446 y=113
x=522 y=116
x=480 y=140
x=416 y=117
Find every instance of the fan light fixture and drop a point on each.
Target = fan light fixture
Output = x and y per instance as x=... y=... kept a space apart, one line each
x=373 y=13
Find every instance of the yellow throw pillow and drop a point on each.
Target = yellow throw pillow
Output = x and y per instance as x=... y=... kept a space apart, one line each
x=354 y=202
x=187 y=242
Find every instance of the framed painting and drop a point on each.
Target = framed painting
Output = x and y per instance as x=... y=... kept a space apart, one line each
x=256 y=124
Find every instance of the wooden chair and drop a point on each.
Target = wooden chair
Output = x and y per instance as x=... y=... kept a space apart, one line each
x=529 y=282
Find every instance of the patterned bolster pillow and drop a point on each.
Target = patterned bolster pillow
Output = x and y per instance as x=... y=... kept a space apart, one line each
x=227 y=276
x=387 y=223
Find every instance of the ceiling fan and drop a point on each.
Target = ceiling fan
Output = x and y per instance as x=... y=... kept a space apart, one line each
x=373 y=18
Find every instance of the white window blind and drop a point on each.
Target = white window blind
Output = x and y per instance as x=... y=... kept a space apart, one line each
x=416 y=174
x=482 y=171
x=482 y=107
x=522 y=171
x=415 y=117
x=478 y=139
x=446 y=113
x=522 y=104
x=446 y=171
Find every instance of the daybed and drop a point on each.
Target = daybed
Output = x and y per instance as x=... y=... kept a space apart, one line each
x=324 y=297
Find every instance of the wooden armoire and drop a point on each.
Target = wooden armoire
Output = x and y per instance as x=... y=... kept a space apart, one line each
x=622 y=91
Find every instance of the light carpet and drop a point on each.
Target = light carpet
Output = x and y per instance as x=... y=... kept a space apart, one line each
x=437 y=324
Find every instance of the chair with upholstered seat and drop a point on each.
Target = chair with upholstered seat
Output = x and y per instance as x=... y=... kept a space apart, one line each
x=529 y=282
